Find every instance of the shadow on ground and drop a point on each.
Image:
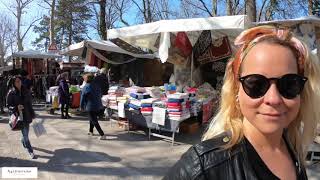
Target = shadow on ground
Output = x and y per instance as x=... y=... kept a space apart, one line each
x=68 y=160
x=58 y=116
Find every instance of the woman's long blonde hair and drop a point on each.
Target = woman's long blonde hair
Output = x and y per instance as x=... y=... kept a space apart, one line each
x=229 y=117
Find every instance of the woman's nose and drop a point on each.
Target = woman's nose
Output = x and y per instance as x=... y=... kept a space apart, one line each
x=272 y=96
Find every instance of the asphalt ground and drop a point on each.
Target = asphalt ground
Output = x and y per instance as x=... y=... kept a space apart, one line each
x=67 y=152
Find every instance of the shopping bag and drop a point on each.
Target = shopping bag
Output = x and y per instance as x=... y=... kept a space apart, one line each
x=15 y=122
x=38 y=128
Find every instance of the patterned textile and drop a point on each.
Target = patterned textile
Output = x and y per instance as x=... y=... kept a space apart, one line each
x=126 y=46
x=219 y=49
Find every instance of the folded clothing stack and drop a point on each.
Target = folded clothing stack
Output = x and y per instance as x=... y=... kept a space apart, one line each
x=146 y=105
x=140 y=95
x=114 y=93
x=116 y=90
x=178 y=106
x=179 y=117
x=136 y=89
x=195 y=106
x=122 y=99
x=160 y=104
x=135 y=104
x=137 y=94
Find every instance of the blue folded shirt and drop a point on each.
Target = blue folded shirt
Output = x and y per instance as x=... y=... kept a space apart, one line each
x=146 y=105
x=175 y=100
x=134 y=106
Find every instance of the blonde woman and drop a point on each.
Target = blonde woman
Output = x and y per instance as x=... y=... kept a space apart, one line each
x=267 y=116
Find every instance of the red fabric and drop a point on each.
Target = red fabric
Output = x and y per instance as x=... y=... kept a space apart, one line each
x=183 y=43
x=30 y=70
x=188 y=104
x=174 y=107
x=175 y=113
x=147 y=109
x=75 y=100
x=219 y=49
x=92 y=59
x=173 y=104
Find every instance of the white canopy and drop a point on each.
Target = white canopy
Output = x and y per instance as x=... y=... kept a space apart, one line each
x=5 y=68
x=35 y=54
x=290 y=22
x=145 y=35
x=77 y=49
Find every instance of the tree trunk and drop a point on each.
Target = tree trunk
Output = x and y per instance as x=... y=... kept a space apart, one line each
x=103 y=24
x=229 y=7
x=310 y=7
x=19 y=40
x=52 y=23
x=251 y=10
x=214 y=8
x=149 y=11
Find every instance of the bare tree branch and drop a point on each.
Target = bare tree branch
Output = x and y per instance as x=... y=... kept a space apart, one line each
x=206 y=8
x=14 y=13
x=31 y=25
x=261 y=9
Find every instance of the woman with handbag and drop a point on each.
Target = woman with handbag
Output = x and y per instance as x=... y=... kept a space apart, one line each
x=19 y=100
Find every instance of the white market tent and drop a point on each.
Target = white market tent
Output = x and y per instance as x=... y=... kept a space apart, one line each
x=6 y=68
x=79 y=49
x=291 y=22
x=145 y=35
x=34 y=54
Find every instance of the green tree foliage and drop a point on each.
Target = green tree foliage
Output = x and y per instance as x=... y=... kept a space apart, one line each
x=43 y=31
x=316 y=7
x=71 y=20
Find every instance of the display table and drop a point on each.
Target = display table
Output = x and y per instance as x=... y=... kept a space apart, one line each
x=134 y=116
x=112 y=114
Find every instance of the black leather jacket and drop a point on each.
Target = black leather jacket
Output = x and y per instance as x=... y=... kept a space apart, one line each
x=24 y=98
x=208 y=161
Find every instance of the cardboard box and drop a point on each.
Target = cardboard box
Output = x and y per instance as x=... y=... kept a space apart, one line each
x=189 y=128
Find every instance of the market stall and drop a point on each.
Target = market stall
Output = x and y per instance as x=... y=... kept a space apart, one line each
x=41 y=67
x=191 y=45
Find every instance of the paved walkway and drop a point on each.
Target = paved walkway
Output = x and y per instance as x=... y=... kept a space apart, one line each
x=67 y=152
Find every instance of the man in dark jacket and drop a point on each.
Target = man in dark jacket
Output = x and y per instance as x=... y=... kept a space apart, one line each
x=101 y=81
x=64 y=96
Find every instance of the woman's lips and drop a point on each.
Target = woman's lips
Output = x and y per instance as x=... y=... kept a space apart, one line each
x=271 y=114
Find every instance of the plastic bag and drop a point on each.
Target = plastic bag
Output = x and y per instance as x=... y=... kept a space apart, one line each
x=38 y=128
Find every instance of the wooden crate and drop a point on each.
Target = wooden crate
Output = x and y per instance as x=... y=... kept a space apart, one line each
x=189 y=127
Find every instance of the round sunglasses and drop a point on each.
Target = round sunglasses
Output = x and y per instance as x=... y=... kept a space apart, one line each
x=257 y=85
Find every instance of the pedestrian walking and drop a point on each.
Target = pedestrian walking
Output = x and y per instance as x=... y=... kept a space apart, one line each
x=91 y=102
x=19 y=100
x=268 y=113
x=101 y=80
x=64 y=96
